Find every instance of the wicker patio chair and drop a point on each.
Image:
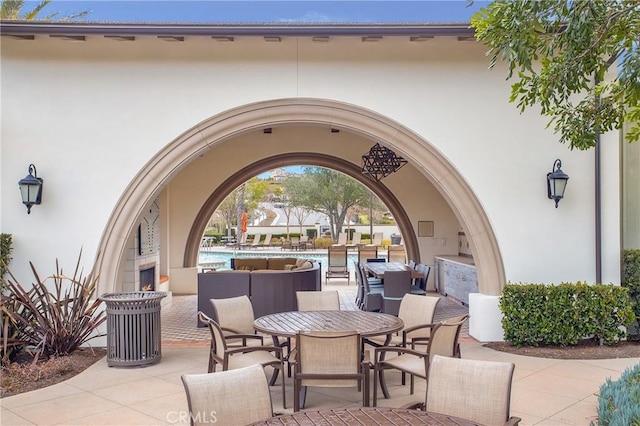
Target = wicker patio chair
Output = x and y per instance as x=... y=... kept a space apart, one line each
x=476 y=390
x=329 y=359
x=222 y=398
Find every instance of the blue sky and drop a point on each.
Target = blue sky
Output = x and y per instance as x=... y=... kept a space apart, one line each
x=245 y=11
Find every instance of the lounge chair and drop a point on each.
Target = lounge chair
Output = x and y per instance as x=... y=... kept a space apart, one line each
x=367 y=252
x=356 y=241
x=342 y=239
x=377 y=239
x=337 y=260
x=396 y=254
x=267 y=241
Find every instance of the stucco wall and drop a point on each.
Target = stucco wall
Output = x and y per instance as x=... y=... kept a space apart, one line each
x=91 y=114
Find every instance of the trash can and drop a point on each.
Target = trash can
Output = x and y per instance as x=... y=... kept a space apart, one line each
x=395 y=239
x=133 y=328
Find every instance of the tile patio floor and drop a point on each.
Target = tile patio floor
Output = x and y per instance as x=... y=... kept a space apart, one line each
x=545 y=391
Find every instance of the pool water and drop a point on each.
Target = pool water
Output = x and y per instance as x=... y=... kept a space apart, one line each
x=207 y=256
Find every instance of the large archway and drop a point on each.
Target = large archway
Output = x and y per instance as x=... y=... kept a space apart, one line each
x=402 y=219
x=222 y=127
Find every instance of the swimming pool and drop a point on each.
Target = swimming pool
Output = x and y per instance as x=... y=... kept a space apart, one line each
x=208 y=256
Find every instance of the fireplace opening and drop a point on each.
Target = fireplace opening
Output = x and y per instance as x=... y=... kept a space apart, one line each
x=148 y=278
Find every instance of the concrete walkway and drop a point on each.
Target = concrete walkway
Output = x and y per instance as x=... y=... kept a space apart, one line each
x=545 y=391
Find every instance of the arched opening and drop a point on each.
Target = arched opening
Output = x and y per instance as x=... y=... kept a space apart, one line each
x=402 y=219
x=167 y=163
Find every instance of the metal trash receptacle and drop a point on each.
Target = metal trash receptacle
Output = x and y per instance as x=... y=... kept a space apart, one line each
x=396 y=239
x=133 y=328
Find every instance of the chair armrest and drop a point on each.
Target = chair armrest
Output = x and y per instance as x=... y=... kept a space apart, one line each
x=396 y=349
x=246 y=349
x=417 y=327
x=412 y=329
x=244 y=338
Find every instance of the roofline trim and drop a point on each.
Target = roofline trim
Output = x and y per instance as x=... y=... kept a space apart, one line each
x=268 y=29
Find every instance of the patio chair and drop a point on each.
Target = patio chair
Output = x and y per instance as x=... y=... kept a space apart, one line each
x=232 y=358
x=222 y=397
x=356 y=241
x=235 y=317
x=377 y=239
x=396 y=254
x=329 y=359
x=318 y=300
x=304 y=242
x=420 y=284
x=443 y=340
x=479 y=391
x=415 y=311
x=337 y=260
x=267 y=241
x=396 y=285
x=367 y=252
x=256 y=240
x=342 y=239
x=372 y=295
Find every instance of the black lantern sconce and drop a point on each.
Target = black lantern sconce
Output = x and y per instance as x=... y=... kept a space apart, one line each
x=31 y=188
x=556 y=182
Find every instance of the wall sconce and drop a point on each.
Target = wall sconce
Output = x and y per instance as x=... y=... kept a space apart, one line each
x=556 y=182
x=31 y=188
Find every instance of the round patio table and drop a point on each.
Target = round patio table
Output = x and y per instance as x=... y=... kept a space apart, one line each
x=287 y=324
x=365 y=416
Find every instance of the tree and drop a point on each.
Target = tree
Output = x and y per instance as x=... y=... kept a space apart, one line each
x=561 y=51
x=326 y=191
x=12 y=10
x=301 y=214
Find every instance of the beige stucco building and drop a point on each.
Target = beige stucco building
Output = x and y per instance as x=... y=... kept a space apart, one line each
x=117 y=117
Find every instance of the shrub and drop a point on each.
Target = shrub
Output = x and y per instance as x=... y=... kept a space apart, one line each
x=619 y=401
x=57 y=321
x=564 y=314
x=631 y=276
x=5 y=254
x=322 y=242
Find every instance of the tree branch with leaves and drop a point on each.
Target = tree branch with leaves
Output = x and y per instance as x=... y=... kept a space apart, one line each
x=561 y=52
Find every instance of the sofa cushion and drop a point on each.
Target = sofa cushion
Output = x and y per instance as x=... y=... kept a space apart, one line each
x=279 y=263
x=249 y=264
x=305 y=265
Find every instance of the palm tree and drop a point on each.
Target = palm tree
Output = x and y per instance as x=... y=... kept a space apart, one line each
x=12 y=10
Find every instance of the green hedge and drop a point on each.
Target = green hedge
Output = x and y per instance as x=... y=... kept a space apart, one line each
x=565 y=314
x=631 y=276
x=619 y=401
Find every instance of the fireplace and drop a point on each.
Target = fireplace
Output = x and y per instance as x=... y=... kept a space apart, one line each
x=148 y=277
